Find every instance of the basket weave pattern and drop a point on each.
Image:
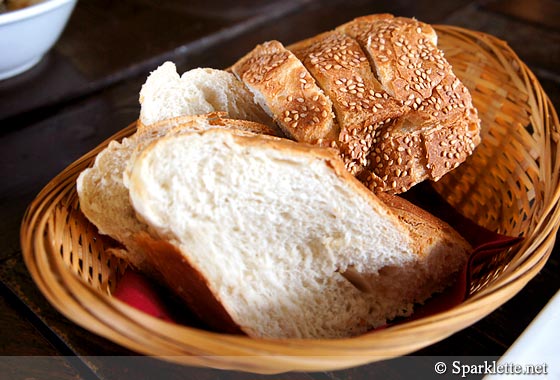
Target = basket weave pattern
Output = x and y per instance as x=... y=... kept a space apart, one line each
x=510 y=185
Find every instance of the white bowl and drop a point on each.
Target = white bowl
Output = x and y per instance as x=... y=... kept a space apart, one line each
x=28 y=33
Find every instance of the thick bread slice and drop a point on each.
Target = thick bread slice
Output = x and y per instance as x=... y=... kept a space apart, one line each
x=166 y=95
x=101 y=189
x=283 y=87
x=361 y=106
x=334 y=260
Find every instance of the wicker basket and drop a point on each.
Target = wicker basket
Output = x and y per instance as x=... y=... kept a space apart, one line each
x=510 y=185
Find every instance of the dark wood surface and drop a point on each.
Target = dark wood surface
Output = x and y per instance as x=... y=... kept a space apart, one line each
x=86 y=89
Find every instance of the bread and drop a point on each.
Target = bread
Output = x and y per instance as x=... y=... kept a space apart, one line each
x=402 y=51
x=276 y=239
x=104 y=199
x=166 y=95
x=361 y=105
x=285 y=89
x=395 y=98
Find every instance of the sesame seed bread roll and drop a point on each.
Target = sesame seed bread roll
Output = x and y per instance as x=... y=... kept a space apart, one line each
x=283 y=87
x=102 y=191
x=441 y=129
x=401 y=115
x=335 y=261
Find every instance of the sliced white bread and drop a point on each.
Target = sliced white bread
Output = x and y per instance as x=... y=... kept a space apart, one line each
x=166 y=94
x=276 y=239
x=101 y=189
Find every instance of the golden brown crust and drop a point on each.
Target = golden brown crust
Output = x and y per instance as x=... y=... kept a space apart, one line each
x=421 y=222
x=361 y=106
x=403 y=51
x=297 y=104
x=440 y=134
x=414 y=121
x=245 y=125
x=187 y=282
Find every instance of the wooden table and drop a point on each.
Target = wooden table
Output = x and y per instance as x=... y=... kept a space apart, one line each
x=86 y=89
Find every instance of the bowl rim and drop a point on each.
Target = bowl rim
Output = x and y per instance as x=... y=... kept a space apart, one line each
x=32 y=11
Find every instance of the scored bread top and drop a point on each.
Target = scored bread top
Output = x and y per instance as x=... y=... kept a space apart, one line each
x=434 y=138
x=284 y=88
x=403 y=52
x=361 y=106
x=402 y=115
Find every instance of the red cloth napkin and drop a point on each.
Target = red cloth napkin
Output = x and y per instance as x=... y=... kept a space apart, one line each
x=138 y=291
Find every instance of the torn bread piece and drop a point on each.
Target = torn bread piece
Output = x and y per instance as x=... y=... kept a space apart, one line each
x=166 y=94
x=335 y=261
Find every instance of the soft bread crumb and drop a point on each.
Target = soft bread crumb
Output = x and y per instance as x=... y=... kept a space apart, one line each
x=271 y=232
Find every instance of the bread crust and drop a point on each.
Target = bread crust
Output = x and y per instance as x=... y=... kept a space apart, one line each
x=422 y=222
x=284 y=87
x=361 y=106
x=403 y=51
x=426 y=241
x=439 y=134
x=187 y=282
